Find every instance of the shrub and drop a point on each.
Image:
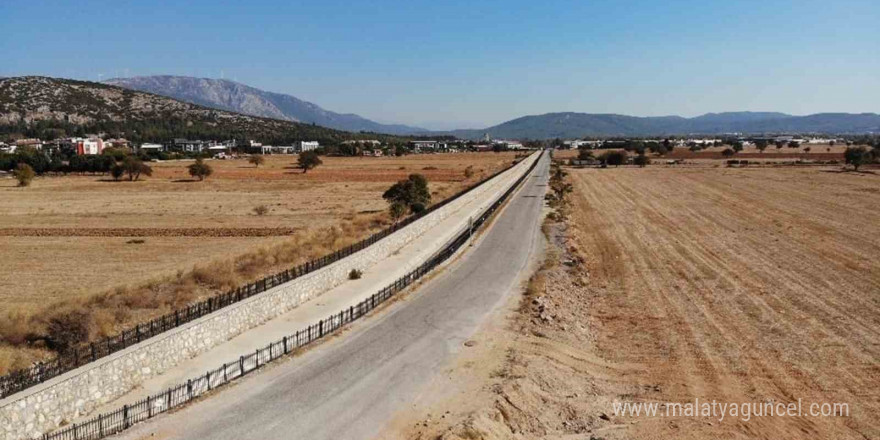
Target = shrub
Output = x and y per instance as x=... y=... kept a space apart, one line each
x=728 y=152
x=200 y=169
x=261 y=210
x=412 y=193
x=257 y=159
x=584 y=154
x=397 y=210
x=67 y=328
x=469 y=172
x=24 y=174
x=641 y=160
x=355 y=274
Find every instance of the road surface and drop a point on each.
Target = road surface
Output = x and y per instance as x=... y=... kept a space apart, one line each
x=351 y=386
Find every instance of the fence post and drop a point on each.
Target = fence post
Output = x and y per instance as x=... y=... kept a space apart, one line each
x=257 y=359
x=124 y=416
x=241 y=365
x=75 y=432
x=92 y=345
x=149 y=407
x=225 y=376
x=321 y=328
x=168 y=400
x=189 y=389
x=101 y=425
x=208 y=378
x=284 y=340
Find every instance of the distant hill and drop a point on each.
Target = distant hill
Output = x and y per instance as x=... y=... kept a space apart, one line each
x=232 y=96
x=50 y=107
x=573 y=125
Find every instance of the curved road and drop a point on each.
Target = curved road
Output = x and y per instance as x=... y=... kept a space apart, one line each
x=351 y=386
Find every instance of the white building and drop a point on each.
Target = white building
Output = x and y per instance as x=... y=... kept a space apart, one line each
x=151 y=147
x=303 y=146
x=424 y=145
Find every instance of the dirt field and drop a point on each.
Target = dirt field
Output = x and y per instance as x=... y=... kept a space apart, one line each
x=732 y=285
x=77 y=236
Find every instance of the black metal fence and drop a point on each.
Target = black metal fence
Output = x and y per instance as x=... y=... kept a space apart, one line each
x=108 y=424
x=25 y=378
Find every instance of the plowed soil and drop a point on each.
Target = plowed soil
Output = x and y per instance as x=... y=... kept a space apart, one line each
x=727 y=285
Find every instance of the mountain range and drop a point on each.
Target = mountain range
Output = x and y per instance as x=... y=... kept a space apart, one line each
x=577 y=125
x=235 y=97
x=196 y=107
x=52 y=107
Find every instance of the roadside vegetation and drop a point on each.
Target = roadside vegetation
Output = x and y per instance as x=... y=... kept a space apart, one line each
x=411 y=194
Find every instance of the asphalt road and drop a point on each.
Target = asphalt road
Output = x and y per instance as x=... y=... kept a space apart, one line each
x=351 y=386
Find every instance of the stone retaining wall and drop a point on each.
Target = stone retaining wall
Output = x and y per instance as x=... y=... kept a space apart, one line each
x=44 y=407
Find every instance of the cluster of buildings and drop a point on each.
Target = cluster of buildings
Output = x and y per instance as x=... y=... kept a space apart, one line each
x=72 y=145
x=93 y=145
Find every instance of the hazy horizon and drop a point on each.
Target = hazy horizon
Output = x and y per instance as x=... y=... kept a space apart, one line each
x=465 y=65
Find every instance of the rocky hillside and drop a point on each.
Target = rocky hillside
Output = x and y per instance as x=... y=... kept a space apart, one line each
x=236 y=97
x=35 y=105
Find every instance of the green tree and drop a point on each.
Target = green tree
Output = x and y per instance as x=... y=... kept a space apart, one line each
x=728 y=152
x=615 y=158
x=412 y=193
x=134 y=167
x=200 y=169
x=308 y=160
x=256 y=159
x=584 y=154
x=794 y=144
x=24 y=174
x=761 y=145
x=641 y=160
x=856 y=156
x=737 y=146
x=117 y=171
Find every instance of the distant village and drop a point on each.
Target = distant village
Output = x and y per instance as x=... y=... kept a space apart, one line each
x=96 y=144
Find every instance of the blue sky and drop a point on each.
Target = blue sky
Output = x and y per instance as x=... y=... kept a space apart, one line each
x=446 y=63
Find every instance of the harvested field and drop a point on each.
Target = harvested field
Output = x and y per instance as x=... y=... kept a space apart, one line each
x=737 y=286
x=81 y=238
x=725 y=285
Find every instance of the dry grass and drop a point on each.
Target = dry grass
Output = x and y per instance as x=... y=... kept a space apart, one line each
x=119 y=281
